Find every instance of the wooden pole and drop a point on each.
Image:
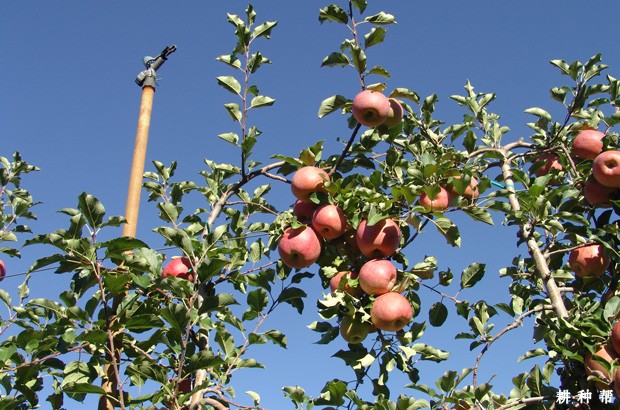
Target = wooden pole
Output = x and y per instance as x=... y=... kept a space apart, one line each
x=132 y=208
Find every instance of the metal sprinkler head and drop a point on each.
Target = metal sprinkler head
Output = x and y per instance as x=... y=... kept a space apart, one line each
x=149 y=76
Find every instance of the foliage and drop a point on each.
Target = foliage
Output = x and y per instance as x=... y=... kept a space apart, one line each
x=159 y=332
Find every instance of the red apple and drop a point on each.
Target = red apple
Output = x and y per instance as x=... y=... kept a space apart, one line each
x=588 y=261
x=179 y=267
x=439 y=203
x=2 y=270
x=304 y=210
x=606 y=168
x=329 y=221
x=614 y=338
x=370 y=108
x=353 y=331
x=597 y=194
x=377 y=276
x=605 y=352
x=395 y=115
x=588 y=144
x=378 y=241
x=391 y=311
x=547 y=162
x=183 y=387
x=341 y=281
x=299 y=247
x=308 y=180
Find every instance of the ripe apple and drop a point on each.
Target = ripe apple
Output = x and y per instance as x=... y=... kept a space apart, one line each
x=470 y=192
x=308 y=180
x=370 y=108
x=2 y=270
x=547 y=162
x=377 y=276
x=391 y=311
x=179 y=267
x=379 y=240
x=329 y=221
x=395 y=116
x=341 y=281
x=439 y=203
x=614 y=338
x=597 y=194
x=606 y=168
x=353 y=331
x=304 y=210
x=605 y=352
x=299 y=247
x=183 y=387
x=588 y=144
x=588 y=261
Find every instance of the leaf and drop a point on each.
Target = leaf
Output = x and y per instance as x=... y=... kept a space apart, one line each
x=335 y=59
x=381 y=18
x=438 y=314
x=261 y=101
x=359 y=58
x=234 y=111
x=230 y=83
x=92 y=209
x=264 y=30
x=257 y=300
x=374 y=37
x=479 y=214
x=472 y=274
x=539 y=112
x=449 y=230
x=230 y=137
x=331 y=104
x=333 y=13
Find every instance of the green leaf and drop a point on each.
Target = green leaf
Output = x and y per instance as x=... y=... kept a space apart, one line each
x=479 y=214
x=92 y=209
x=335 y=59
x=438 y=314
x=230 y=137
x=331 y=104
x=379 y=71
x=359 y=58
x=405 y=93
x=381 y=18
x=374 y=37
x=261 y=101
x=449 y=230
x=539 y=112
x=264 y=30
x=472 y=274
x=333 y=13
x=230 y=83
x=234 y=111
x=257 y=300
x=231 y=60
x=276 y=337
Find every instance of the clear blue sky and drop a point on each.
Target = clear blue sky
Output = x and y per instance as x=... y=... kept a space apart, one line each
x=69 y=104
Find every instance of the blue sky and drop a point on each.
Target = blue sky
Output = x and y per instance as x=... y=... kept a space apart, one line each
x=69 y=104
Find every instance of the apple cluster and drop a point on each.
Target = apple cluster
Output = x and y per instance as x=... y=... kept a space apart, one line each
x=372 y=109
x=373 y=245
x=603 y=184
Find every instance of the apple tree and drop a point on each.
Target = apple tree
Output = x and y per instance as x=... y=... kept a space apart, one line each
x=169 y=324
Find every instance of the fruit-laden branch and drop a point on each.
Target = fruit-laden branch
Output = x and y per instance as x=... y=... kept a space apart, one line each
x=527 y=230
x=516 y=323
